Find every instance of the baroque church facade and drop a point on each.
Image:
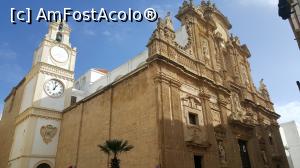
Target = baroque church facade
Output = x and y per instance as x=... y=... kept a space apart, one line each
x=188 y=101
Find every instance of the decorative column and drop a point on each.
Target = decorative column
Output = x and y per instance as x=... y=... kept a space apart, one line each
x=277 y=142
x=170 y=122
x=212 y=153
x=222 y=134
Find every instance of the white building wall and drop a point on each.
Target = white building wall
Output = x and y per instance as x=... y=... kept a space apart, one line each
x=41 y=148
x=291 y=139
x=94 y=82
x=18 y=141
x=84 y=89
x=28 y=95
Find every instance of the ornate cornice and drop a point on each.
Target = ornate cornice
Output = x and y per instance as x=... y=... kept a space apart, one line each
x=53 y=42
x=203 y=79
x=50 y=70
x=193 y=145
x=163 y=78
x=204 y=94
x=261 y=108
x=32 y=156
x=39 y=113
x=223 y=101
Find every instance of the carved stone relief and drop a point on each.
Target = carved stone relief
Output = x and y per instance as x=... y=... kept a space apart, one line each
x=264 y=156
x=193 y=133
x=48 y=132
x=187 y=30
x=216 y=117
x=205 y=51
x=215 y=111
x=222 y=153
x=192 y=102
x=245 y=78
x=236 y=103
x=237 y=112
x=263 y=90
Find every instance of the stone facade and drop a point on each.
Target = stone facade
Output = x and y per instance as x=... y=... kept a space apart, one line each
x=192 y=102
x=7 y=123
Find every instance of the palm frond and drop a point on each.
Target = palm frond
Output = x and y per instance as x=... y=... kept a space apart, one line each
x=115 y=146
x=104 y=148
x=128 y=148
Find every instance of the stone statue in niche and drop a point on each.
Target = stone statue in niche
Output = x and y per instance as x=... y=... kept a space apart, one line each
x=48 y=132
x=264 y=156
x=237 y=111
x=205 y=51
x=222 y=153
x=263 y=90
x=168 y=21
x=244 y=75
x=262 y=85
x=236 y=102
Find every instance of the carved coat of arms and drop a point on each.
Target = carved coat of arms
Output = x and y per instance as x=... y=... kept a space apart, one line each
x=48 y=132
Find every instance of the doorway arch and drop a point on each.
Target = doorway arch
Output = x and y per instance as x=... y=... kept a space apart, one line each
x=43 y=165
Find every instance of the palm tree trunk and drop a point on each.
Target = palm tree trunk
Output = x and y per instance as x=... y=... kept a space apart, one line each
x=115 y=162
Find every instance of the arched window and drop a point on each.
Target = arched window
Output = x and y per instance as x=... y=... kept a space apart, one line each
x=43 y=165
x=60 y=27
x=59 y=37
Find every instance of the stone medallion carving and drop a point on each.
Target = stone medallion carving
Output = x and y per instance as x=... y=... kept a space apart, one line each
x=48 y=132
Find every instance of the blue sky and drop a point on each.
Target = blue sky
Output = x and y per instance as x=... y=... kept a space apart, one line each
x=275 y=55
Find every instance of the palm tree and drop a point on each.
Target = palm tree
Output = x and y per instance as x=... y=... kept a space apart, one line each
x=115 y=147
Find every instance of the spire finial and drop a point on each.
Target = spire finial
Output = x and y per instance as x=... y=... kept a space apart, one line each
x=168 y=14
x=168 y=21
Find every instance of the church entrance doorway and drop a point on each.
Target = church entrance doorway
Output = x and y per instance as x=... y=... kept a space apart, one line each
x=244 y=154
x=43 y=165
x=197 y=161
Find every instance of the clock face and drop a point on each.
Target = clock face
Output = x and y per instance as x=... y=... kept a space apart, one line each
x=54 y=88
x=59 y=54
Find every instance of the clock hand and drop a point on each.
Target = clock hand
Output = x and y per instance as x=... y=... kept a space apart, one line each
x=55 y=87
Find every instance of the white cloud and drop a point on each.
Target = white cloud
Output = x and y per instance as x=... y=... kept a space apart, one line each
x=289 y=112
x=11 y=73
x=106 y=33
x=6 y=53
x=265 y=3
x=115 y=35
x=89 y=31
x=162 y=10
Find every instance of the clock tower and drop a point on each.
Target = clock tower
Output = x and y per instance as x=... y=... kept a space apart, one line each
x=46 y=93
